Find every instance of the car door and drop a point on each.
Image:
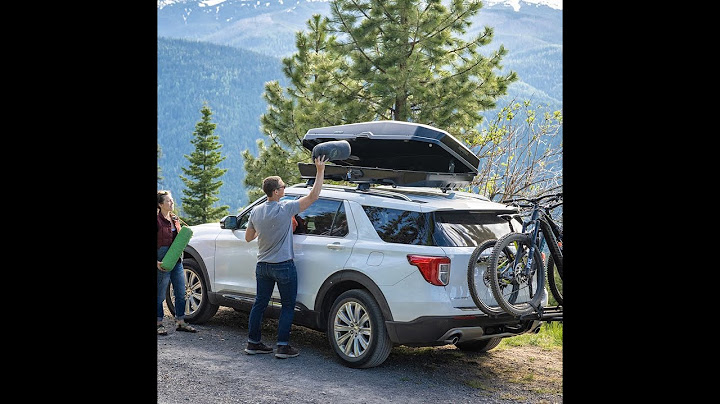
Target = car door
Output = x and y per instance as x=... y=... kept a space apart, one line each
x=323 y=241
x=235 y=258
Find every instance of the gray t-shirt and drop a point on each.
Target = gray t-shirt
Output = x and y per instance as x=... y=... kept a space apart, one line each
x=273 y=223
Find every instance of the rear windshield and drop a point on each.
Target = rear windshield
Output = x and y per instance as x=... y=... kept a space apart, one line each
x=469 y=228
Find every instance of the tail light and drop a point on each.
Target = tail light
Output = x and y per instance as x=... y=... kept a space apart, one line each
x=435 y=270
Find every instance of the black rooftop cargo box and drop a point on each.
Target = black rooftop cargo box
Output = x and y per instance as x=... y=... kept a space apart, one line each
x=395 y=153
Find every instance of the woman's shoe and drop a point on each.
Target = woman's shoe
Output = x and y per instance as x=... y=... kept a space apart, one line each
x=161 y=329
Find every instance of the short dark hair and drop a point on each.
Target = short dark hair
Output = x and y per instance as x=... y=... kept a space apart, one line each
x=270 y=184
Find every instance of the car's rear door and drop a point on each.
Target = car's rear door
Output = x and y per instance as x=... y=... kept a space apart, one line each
x=322 y=242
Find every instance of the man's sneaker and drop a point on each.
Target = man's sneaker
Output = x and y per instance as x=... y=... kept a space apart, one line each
x=183 y=326
x=286 y=351
x=253 y=349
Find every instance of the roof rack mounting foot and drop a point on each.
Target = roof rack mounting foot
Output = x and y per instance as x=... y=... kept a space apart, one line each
x=310 y=182
x=363 y=186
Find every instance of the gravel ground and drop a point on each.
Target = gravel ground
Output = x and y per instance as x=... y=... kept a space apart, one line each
x=210 y=366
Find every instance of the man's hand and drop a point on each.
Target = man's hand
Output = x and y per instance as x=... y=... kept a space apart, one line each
x=320 y=162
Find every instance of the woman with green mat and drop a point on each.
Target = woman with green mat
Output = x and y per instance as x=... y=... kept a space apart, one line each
x=168 y=227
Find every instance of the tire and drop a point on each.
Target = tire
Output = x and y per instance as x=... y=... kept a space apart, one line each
x=479 y=346
x=479 y=279
x=356 y=330
x=517 y=293
x=198 y=308
x=554 y=280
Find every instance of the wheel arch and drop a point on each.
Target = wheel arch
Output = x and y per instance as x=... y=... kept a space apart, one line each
x=342 y=281
x=195 y=255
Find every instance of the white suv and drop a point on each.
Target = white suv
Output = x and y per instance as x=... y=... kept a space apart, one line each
x=377 y=265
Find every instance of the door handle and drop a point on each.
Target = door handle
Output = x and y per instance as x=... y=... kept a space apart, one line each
x=335 y=246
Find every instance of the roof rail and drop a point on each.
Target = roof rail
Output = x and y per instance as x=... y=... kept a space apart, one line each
x=380 y=192
x=362 y=189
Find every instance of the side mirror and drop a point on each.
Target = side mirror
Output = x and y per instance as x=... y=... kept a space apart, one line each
x=228 y=222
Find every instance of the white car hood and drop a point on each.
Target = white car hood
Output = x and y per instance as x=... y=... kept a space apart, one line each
x=205 y=231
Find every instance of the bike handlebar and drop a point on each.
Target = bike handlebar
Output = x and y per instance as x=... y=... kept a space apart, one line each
x=551 y=207
x=535 y=201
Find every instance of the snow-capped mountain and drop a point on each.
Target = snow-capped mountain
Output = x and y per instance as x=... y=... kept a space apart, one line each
x=515 y=4
x=269 y=26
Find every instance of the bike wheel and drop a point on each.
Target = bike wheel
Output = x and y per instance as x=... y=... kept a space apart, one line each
x=516 y=288
x=479 y=279
x=554 y=280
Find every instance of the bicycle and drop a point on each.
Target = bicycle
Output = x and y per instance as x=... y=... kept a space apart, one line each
x=515 y=265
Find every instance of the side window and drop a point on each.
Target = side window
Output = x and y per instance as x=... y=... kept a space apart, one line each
x=243 y=221
x=324 y=217
x=340 y=224
x=399 y=226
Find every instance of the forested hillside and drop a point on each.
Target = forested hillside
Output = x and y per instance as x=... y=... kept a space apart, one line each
x=534 y=39
x=231 y=81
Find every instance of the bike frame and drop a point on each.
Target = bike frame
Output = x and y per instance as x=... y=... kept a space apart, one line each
x=534 y=224
x=510 y=276
x=557 y=234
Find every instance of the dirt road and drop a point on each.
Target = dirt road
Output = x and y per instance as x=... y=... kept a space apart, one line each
x=211 y=367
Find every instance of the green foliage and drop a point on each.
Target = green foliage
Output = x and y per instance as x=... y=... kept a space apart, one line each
x=200 y=177
x=381 y=60
x=549 y=337
x=520 y=152
x=273 y=160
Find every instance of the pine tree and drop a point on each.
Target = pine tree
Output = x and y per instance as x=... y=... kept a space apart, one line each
x=201 y=181
x=379 y=60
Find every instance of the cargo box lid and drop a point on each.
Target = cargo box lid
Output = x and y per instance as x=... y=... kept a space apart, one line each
x=395 y=153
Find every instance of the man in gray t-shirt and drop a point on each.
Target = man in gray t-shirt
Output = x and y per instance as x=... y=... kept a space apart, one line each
x=276 y=245
x=271 y=223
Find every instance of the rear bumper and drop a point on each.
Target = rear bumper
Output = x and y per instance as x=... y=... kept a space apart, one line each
x=443 y=330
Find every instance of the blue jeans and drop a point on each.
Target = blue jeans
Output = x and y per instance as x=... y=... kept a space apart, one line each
x=177 y=277
x=267 y=274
